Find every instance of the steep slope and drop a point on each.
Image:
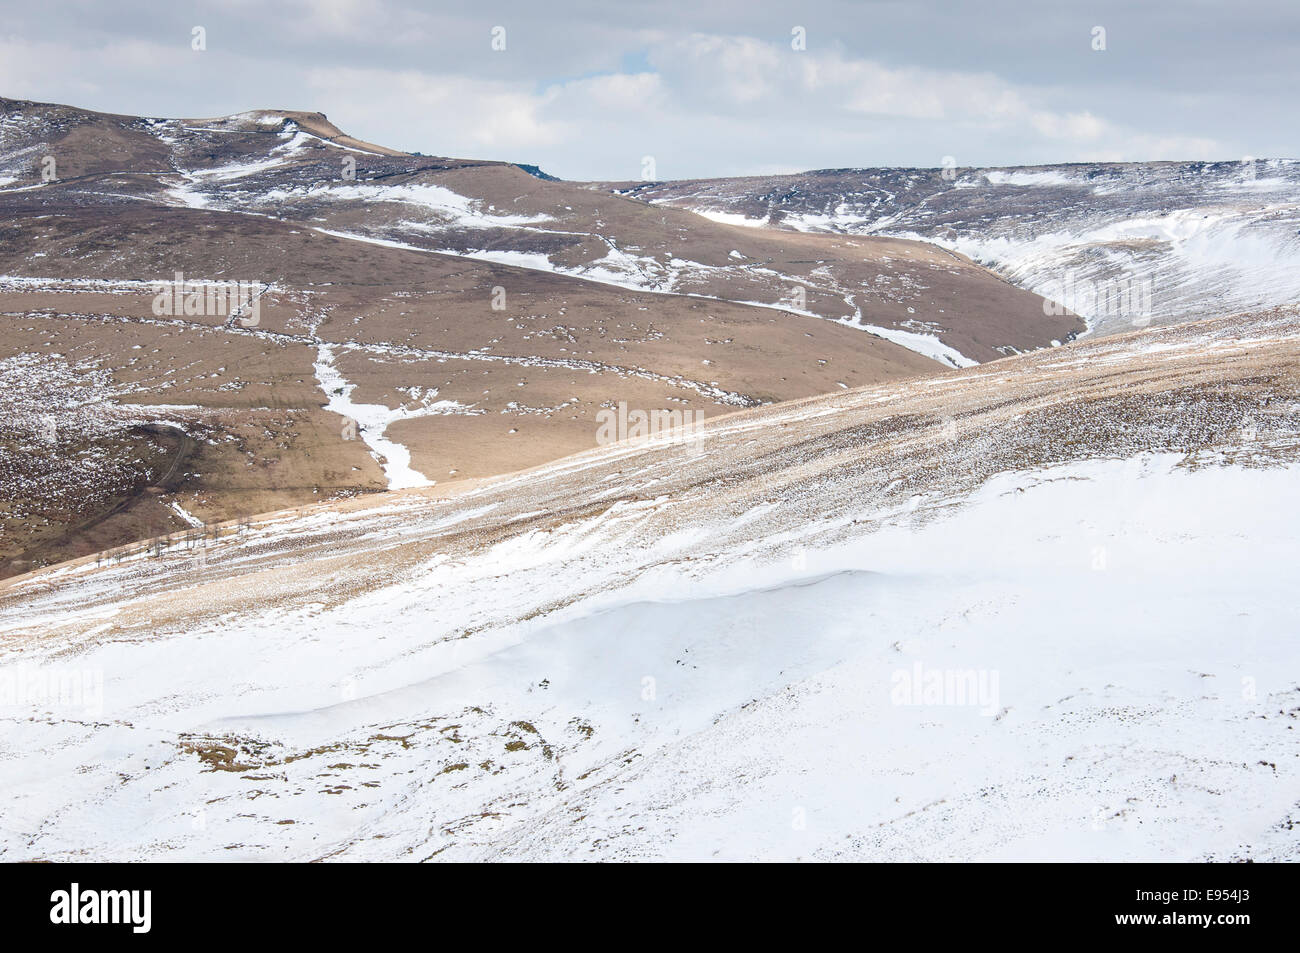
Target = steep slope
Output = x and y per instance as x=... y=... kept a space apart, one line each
x=1122 y=244
x=1040 y=608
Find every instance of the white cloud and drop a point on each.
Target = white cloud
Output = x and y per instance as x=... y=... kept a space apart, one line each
x=806 y=87
x=703 y=104
x=439 y=114
x=625 y=92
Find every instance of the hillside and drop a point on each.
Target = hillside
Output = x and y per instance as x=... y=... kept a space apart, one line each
x=1123 y=244
x=409 y=320
x=724 y=649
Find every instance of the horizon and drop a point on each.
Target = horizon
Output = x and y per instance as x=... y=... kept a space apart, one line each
x=527 y=164
x=591 y=94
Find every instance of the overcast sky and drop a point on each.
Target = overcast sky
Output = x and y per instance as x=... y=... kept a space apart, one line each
x=586 y=90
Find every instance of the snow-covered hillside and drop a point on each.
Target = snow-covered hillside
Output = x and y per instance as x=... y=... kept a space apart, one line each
x=1041 y=608
x=1121 y=244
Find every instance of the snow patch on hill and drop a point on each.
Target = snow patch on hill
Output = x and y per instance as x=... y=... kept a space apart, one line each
x=370 y=422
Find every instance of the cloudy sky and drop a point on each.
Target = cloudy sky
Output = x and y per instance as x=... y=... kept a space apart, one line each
x=709 y=87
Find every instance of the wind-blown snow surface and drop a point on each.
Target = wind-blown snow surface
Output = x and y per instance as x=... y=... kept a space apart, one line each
x=734 y=664
x=1137 y=710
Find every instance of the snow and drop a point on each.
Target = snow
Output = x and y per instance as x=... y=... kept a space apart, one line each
x=184 y=514
x=1089 y=661
x=296 y=141
x=1194 y=239
x=926 y=344
x=1029 y=179
x=729 y=218
x=1179 y=260
x=459 y=210
x=1132 y=623
x=537 y=261
x=371 y=422
x=72 y=285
